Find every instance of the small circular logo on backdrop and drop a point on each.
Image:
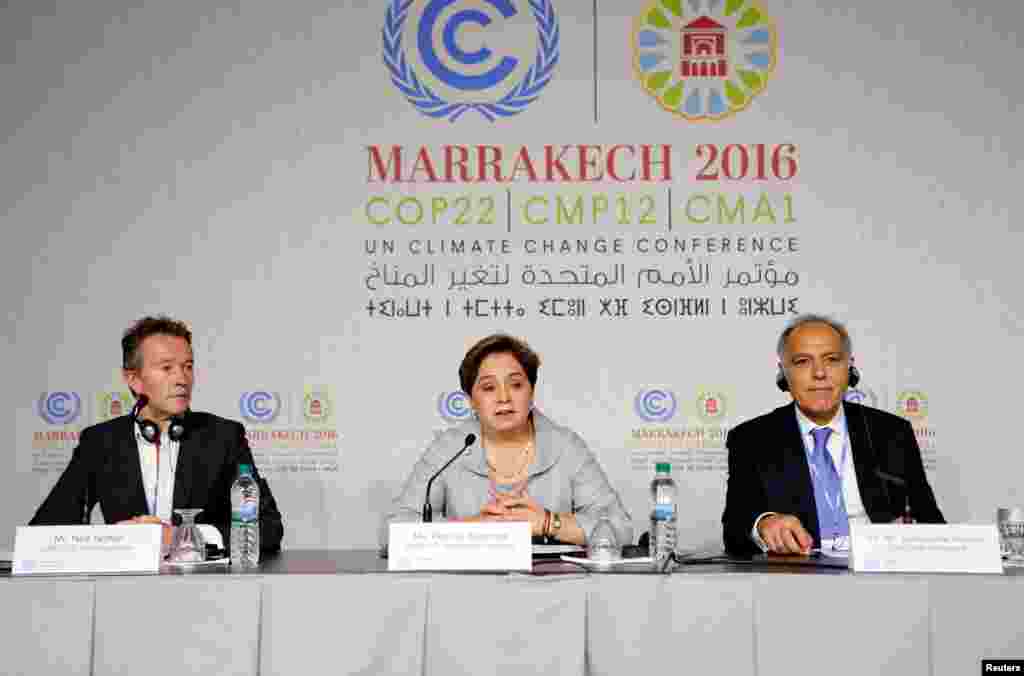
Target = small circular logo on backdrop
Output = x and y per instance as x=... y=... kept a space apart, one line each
x=448 y=57
x=113 y=405
x=259 y=406
x=454 y=406
x=59 y=408
x=861 y=396
x=655 y=405
x=316 y=407
x=912 y=404
x=704 y=60
x=711 y=406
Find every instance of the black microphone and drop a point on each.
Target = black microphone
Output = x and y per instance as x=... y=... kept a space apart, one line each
x=906 y=517
x=886 y=477
x=87 y=504
x=891 y=478
x=428 y=513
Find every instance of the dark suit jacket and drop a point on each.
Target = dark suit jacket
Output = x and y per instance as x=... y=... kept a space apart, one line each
x=768 y=472
x=105 y=468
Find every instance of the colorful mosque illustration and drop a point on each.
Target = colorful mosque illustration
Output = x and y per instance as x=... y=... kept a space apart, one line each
x=703 y=49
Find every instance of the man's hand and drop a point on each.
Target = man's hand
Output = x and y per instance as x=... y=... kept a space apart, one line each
x=784 y=534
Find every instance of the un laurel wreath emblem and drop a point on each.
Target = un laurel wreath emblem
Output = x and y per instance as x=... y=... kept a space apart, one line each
x=426 y=99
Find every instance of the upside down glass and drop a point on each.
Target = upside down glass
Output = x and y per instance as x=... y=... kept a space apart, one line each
x=1011 y=532
x=603 y=545
x=188 y=545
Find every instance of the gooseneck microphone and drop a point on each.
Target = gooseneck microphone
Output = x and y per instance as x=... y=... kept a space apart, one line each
x=886 y=477
x=428 y=512
x=87 y=503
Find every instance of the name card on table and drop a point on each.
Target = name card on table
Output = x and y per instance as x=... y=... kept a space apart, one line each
x=55 y=550
x=924 y=548
x=459 y=546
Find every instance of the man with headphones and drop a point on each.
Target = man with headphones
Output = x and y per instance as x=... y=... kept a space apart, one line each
x=162 y=456
x=800 y=474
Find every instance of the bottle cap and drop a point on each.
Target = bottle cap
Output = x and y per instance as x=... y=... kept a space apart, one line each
x=245 y=469
x=663 y=467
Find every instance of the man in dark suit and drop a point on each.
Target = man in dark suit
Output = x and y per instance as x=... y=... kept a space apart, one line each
x=119 y=463
x=799 y=474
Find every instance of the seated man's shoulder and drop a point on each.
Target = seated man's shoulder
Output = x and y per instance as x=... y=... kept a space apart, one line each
x=107 y=428
x=757 y=424
x=876 y=416
x=210 y=423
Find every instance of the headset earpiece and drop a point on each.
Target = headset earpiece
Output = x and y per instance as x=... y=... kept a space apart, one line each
x=780 y=380
x=854 y=376
x=176 y=429
x=149 y=430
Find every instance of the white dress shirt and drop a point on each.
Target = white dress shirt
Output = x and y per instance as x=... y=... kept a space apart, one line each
x=159 y=498
x=837 y=442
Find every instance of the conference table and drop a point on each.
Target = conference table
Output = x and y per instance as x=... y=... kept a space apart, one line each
x=341 y=612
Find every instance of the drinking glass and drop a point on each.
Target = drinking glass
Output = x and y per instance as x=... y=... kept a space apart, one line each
x=603 y=546
x=1011 y=532
x=188 y=545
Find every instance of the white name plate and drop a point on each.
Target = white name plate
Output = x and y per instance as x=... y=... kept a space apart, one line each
x=459 y=546
x=55 y=550
x=924 y=548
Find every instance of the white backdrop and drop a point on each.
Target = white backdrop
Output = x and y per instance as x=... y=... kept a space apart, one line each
x=212 y=163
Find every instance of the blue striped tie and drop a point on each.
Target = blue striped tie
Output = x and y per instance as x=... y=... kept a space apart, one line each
x=828 y=489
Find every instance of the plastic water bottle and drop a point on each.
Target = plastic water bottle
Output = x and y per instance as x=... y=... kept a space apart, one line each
x=663 y=513
x=245 y=519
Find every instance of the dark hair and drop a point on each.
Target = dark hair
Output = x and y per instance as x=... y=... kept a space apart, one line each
x=498 y=342
x=131 y=356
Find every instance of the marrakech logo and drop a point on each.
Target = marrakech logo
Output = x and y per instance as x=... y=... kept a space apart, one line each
x=654 y=405
x=110 y=405
x=260 y=407
x=446 y=67
x=317 y=407
x=59 y=408
x=454 y=406
x=912 y=404
x=706 y=65
x=711 y=406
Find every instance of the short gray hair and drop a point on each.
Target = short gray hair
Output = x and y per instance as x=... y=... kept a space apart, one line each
x=810 y=318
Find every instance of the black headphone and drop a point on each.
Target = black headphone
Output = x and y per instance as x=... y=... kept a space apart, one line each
x=150 y=431
x=783 y=384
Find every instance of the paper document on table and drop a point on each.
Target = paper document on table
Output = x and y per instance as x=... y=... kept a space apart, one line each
x=617 y=563
x=211 y=535
x=222 y=561
x=833 y=553
x=544 y=550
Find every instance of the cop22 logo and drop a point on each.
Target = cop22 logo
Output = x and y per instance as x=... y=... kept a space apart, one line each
x=259 y=406
x=454 y=92
x=59 y=408
x=454 y=406
x=655 y=405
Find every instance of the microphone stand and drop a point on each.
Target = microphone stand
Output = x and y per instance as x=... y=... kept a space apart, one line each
x=428 y=512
